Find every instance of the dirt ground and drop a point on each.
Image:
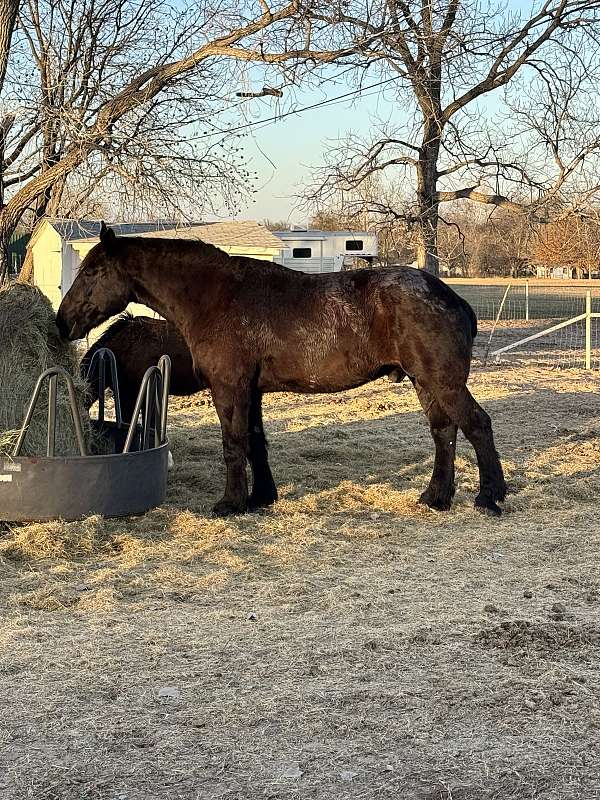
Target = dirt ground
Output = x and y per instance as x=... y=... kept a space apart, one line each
x=348 y=643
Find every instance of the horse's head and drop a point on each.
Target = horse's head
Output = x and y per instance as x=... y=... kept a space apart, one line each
x=101 y=289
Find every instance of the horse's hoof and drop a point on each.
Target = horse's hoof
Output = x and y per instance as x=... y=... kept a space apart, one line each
x=431 y=500
x=225 y=508
x=262 y=496
x=254 y=503
x=488 y=507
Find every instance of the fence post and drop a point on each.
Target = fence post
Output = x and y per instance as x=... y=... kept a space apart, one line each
x=498 y=315
x=527 y=301
x=588 y=329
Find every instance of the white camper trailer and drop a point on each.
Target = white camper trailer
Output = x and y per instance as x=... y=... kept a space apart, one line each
x=326 y=251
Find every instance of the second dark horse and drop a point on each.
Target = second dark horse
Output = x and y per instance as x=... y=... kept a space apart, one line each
x=254 y=327
x=138 y=343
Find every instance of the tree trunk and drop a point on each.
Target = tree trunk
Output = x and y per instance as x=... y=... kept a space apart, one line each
x=8 y=15
x=8 y=224
x=427 y=200
x=427 y=244
x=4 y=259
x=49 y=202
x=26 y=273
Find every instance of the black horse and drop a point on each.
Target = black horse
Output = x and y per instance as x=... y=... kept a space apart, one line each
x=138 y=343
x=254 y=327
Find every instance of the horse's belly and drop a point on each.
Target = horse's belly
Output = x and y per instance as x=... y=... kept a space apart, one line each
x=333 y=373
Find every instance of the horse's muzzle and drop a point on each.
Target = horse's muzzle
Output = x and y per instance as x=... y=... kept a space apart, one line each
x=66 y=331
x=62 y=326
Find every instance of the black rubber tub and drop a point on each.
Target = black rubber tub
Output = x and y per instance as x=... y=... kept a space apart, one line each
x=117 y=484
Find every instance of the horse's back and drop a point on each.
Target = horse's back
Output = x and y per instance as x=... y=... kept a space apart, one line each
x=138 y=343
x=280 y=291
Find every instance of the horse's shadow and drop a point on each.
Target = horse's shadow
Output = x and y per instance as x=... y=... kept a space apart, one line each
x=395 y=450
x=181 y=551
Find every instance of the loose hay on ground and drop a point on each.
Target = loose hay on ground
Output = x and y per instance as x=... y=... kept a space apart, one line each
x=29 y=344
x=346 y=644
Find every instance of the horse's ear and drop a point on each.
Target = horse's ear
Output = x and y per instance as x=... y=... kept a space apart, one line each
x=108 y=238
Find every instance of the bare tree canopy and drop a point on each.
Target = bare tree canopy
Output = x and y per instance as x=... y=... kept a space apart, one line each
x=493 y=104
x=8 y=16
x=132 y=97
x=77 y=57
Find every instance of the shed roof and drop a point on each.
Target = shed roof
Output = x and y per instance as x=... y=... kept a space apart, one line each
x=231 y=233
x=73 y=230
x=245 y=233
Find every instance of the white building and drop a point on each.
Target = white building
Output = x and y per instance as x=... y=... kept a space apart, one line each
x=58 y=246
x=326 y=251
x=562 y=273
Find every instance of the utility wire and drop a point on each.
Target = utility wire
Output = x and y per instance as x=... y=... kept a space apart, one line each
x=278 y=117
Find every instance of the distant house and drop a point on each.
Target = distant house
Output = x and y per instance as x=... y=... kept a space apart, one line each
x=561 y=273
x=326 y=251
x=58 y=246
x=565 y=273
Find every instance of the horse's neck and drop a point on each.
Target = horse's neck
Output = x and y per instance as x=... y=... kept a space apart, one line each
x=177 y=290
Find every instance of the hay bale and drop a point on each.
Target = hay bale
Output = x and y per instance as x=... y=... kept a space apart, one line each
x=29 y=344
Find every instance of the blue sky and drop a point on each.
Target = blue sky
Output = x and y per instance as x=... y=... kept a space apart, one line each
x=284 y=152
x=298 y=142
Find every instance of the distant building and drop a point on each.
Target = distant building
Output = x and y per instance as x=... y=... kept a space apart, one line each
x=326 y=251
x=561 y=273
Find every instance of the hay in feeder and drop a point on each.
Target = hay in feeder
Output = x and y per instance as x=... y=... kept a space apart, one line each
x=29 y=344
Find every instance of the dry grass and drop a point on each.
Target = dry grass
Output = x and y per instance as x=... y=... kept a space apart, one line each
x=345 y=644
x=29 y=344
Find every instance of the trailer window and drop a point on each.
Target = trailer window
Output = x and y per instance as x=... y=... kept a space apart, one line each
x=302 y=252
x=354 y=244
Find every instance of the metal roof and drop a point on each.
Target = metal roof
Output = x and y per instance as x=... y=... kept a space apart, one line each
x=73 y=230
x=230 y=233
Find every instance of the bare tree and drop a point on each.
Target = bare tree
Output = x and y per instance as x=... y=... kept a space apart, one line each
x=475 y=242
x=81 y=53
x=127 y=101
x=441 y=59
x=8 y=16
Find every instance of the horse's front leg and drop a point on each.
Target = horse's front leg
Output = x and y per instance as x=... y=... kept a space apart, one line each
x=264 y=491
x=232 y=404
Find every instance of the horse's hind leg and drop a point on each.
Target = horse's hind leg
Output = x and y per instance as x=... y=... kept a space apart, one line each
x=264 y=491
x=475 y=423
x=440 y=491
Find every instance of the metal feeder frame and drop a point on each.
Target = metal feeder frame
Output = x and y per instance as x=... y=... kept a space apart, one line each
x=128 y=481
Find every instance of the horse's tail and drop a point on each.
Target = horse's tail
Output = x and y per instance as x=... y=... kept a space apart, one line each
x=472 y=318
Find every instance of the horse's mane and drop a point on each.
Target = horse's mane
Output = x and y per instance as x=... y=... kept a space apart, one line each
x=122 y=321
x=183 y=244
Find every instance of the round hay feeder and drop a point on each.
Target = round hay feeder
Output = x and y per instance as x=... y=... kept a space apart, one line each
x=128 y=477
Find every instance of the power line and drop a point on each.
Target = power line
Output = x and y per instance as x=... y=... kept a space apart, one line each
x=278 y=117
